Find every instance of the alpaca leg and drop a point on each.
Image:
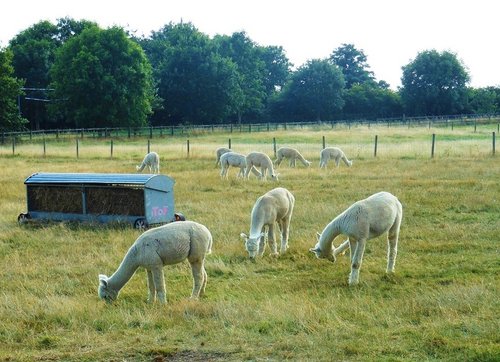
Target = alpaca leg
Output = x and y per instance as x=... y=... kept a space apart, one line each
x=337 y=161
x=204 y=284
x=271 y=241
x=392 y=245
x=151 y=287
x=356 y=260
x=159 y=282
x=284 y=226
x=262 y=244
x=247 y=172
x=198 y=278
x=342 y=248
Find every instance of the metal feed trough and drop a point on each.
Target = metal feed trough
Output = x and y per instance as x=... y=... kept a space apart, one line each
x=139 y=199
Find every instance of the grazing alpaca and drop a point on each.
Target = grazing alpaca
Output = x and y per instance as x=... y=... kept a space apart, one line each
x=152 y=160
x=292 y=154
x=259 y=159
x=236 y=160
x=165 y=245
x=276 y=206
x=218 y=153
x=333 y=153
x=364 y=220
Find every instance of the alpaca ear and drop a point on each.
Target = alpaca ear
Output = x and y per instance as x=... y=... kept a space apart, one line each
x=318 y=235
x=244 y=236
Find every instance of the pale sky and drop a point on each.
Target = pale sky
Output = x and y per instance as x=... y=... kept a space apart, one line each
x=390 y=32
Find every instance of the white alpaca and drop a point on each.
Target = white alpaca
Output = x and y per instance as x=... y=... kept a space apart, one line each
x=165 y=245
x=333 y=153
x=276 y=206
x=262 y=161
x=234 y=159
x=152 y=161
x=291 y=154
x=218 y=153
x=364 y=220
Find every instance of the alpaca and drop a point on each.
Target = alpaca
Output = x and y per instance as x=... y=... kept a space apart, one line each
x=152 y=160
x=275 y=206
x=236 y=160
x=259 y=159
x=165 y=245
x=218 y=153
x=334 y=153
x=292 y=154
x=363 y=220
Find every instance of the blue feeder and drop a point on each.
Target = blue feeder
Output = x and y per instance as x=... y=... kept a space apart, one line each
x=140 y=199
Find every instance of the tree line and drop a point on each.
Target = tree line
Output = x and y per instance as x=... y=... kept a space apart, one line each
x=74 y=74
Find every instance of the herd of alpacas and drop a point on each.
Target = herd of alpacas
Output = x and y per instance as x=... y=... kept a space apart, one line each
x=175 y=242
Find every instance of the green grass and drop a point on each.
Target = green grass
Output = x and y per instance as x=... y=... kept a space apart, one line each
x=442 y=303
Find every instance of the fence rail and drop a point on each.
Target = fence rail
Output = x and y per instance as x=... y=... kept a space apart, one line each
x=186 y=130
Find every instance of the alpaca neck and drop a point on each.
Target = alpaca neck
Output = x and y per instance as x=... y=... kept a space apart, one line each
x=124 y=272
x=330 y=232
x=256 y=227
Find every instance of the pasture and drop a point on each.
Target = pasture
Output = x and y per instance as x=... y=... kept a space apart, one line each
x=441 y=304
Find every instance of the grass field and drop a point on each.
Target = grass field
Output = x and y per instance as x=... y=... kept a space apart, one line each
x=442 y=303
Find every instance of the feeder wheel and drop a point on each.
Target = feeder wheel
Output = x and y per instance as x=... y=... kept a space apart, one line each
x=23 y=218
x=140 y=224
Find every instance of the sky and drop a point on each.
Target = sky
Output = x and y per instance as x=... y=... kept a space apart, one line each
x=390 y=33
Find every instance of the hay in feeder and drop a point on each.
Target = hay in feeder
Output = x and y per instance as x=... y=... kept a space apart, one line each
x=115 y=201
x=55 y=199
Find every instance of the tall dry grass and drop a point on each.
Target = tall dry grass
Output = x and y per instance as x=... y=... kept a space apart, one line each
x=442 y=303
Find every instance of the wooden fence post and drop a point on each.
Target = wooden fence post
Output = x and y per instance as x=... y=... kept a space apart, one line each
x=149 y=146
x=433 y=144
x=493 y=143
x=13 y=145
x=376 y=142
x=324 y=142
x=111 y=148
x=229 y=143
x=77 y=148
x=44 y=147
x=274 y=146
x=188 y=147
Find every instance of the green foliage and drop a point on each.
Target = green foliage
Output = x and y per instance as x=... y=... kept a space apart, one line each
x=10 y=90
x=434 y=83
x=353 y=64
x=484 y=100
x=371 y=101
x=102 y=79
x=251 y=69
x=314 y=92
x=196 y=84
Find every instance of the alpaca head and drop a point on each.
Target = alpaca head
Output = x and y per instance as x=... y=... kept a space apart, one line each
x=323 y=254
x=274 y=176
x=104 y=292
x=350 y=163
x=308 y=163
x=252 y=244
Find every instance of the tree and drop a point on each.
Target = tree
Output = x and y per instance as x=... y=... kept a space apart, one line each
x=34 y=53
x=10 y=90
x=276 y=68
x=484 y=100
x=371 y=101
x=314 y=91
x=102 y=79
x=434 y=84
x=353 y=64
x=251 y=71
x=195 y=83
